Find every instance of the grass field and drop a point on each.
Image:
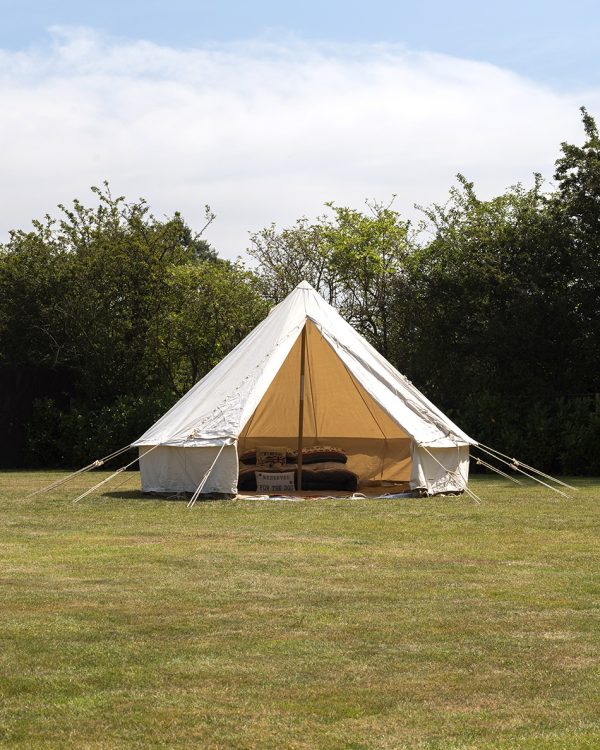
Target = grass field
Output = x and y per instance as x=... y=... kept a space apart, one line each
x=129 y=622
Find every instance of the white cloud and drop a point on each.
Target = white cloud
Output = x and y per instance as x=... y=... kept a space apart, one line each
x=265 y=132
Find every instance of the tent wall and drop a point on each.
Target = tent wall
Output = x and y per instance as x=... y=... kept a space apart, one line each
x=169 y=469
x=451 y=476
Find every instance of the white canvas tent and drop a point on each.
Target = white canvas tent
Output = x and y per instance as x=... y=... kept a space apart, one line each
x=352 y=398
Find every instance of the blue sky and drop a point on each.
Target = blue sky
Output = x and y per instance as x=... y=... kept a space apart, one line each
x=555 y=42
x=267 y=110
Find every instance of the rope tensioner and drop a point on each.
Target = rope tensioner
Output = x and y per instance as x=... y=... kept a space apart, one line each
x=481 y=462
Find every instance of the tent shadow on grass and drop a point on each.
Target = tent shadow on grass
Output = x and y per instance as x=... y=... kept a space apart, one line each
x=145 y=496
x=127 y=495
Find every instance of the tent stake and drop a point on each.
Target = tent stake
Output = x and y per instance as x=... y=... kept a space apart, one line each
x=301 y=407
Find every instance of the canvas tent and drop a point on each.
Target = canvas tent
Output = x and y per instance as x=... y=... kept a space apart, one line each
x=352 y=398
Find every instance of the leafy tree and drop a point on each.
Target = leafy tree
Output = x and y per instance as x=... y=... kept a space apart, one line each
x=126 y=303
x=489 y=298
x=576 y=209
x=288 y=256
x=506 y=293
x=81 y=291
x=210 y=308
x=368 y=253
x=490 y=306
x=351 y=257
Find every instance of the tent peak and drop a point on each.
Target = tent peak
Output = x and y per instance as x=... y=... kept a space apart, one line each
x=305 y=285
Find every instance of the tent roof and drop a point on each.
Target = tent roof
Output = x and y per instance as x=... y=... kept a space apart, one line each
x=218 y=407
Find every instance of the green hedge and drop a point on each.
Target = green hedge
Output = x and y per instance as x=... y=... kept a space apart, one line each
x=73 y=438
x=560 y=436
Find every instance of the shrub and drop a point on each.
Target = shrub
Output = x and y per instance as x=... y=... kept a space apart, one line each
x=73 y=438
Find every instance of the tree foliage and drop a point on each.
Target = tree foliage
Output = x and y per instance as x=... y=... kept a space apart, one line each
x=490 y=306
x=351 y=257
x=127 y=303
x=575 y=207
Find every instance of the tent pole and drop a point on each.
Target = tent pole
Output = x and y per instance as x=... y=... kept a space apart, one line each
x=301 y=406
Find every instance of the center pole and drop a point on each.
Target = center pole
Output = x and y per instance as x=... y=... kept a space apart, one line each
x=301 y=405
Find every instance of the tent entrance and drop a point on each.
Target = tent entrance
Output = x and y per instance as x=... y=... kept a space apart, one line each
x=337 y=411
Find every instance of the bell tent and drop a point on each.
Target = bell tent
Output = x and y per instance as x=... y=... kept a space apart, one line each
x=304 y=377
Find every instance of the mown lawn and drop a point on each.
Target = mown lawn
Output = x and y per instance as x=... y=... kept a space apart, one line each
x=129 y=622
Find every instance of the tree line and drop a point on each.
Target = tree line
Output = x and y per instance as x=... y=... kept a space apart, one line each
x=491 y=307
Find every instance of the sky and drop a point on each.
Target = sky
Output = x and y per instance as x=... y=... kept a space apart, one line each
x=266 y=110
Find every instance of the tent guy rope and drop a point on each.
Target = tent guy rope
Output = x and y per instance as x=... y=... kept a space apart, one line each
x=481 y=462
x=516 y=462
x=118 y=471
x=456 y=476
x=93 y=465
x=200 y=487
x=515 y=467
